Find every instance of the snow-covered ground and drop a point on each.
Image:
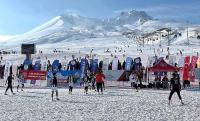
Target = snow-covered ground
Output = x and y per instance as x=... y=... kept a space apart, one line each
x=113 y=105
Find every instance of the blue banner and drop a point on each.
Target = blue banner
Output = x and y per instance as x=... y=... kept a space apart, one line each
x=55 y=65
x=129 y=64
x=26 y=63
x=84 y=64
x=62 y=77
x=37 y=65
x=94 y=65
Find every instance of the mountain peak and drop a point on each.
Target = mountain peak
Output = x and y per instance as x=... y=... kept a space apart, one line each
x=72 y=15
x=136 y=14
x=131 y=17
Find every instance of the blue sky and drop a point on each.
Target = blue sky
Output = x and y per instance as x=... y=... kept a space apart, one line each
x=19 y=16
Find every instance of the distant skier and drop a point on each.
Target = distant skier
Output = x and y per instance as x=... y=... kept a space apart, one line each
x=175 y=86
x=54 y=86
x=9 y=81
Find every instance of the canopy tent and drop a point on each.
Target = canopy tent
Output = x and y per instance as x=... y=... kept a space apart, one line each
x=162 y=66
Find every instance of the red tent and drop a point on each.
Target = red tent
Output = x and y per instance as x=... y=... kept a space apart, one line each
x=162 y=66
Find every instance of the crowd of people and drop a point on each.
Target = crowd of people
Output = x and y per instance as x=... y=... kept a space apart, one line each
x=94 y=80
x=98 y=79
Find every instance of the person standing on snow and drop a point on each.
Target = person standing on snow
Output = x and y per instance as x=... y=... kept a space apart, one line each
x=165 y=82
x=9 y=81
x=20 y=79
x=93 y=81
x=134 y=80
x=86 y=85
x=99 y=81
x=71 y=83
x=54 y=86
x=175 y=86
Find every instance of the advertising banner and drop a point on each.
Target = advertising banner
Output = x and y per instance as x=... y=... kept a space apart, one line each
x=62 y=77
x=37 y=67
x=115 y=64
x=34 y=75
x=55 y=65
x=84 y=64
x=105 y=63
x=129 y=64
x=44 y=66
x=186 y=68
x=94 y=65
x=192 y=68
x=181 y=62
x=115 y=75
x=27 y=63
x=7 y=69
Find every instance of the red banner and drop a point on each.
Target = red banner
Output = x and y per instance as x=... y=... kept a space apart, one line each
x=186 y=68
x=34 y=75
x=192 y=68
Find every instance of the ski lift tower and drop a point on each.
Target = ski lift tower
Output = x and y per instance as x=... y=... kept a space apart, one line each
x=168 y=30
x=188 y=42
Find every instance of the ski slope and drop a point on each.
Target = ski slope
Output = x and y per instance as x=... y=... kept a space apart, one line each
x=113 y=105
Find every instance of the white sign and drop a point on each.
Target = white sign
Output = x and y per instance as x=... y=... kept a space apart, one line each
x=105 y=63
x=115 y=64
x=7 y=69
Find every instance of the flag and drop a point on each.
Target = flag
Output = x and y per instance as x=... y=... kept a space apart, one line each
x=84 y=64
x=105 y=63
x=115 y=64
x=186 y=68
x=129 y=63
x=181 y=62
x=94 y=65
x=193 y=65
x=7 y=69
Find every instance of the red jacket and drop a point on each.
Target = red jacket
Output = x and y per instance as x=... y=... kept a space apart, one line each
x=99 y=78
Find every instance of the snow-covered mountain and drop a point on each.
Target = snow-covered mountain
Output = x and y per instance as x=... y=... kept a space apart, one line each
x=130 y=17
x=75 y=28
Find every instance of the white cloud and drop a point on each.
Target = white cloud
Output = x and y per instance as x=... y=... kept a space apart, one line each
x=5 y=37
